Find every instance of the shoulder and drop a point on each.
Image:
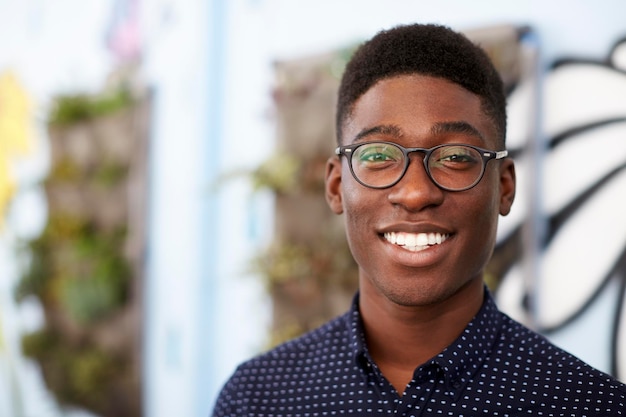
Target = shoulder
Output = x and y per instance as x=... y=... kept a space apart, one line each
x=529 y=352
x=319 y=344
x=274 y=376
x=322 y=340
x=324 y=347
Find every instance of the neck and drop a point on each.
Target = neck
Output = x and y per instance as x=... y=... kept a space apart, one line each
x=401 y=338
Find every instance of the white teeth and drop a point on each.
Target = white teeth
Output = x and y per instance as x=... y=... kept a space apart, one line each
x=415 y=241
x=422 y=239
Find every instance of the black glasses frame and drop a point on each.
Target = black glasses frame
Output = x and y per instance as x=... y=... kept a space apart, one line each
x=487 y=155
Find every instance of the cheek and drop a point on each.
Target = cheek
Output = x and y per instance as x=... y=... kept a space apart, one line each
x=481 y=217
x=358 y=208
x=356 y=198
x=355 y=207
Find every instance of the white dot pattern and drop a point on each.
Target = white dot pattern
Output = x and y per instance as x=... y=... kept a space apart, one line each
x=496 y=367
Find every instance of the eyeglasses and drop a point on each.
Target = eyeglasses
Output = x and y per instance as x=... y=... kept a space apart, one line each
x=452 y=167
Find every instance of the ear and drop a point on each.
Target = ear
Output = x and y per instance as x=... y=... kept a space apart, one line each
x=334 y=196
x=507 y=186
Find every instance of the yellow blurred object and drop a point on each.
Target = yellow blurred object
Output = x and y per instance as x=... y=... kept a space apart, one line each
x=15 y=133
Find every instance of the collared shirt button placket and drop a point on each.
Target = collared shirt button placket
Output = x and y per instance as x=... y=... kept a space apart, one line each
x=418 y=393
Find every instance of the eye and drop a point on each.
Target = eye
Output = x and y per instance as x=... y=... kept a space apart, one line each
x=378 y=154
x=373 y=156
x=457 y=157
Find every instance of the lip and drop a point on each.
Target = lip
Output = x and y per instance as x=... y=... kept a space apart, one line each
x=415 y=228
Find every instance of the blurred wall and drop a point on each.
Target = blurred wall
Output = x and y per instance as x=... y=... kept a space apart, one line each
x=41 y=55
x=209 y=64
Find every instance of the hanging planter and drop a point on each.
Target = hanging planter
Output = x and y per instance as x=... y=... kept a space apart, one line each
x=85 y=268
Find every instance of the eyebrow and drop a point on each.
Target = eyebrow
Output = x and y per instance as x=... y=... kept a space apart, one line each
x=389 y=130
x=456 y=127
x=439 y=128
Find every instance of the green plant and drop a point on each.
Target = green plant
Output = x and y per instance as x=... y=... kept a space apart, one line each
x=78 y=267
x=34 y=279
x=64 y=170
x=82 y=374
x=92 y=297
x=70 y=109
x=95 y=283
x=80 y=273
x=325 y=259
x=279 y=173
x=110 y=174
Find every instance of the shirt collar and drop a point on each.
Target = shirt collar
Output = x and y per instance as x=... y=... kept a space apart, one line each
x=460 y=360
x=357 y=333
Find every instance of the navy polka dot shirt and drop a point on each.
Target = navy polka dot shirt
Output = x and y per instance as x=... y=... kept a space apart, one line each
x=496 y=367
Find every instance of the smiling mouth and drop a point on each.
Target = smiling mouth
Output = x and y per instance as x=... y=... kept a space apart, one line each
x=415 y=242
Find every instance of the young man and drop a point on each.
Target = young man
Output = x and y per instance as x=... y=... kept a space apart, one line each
x=421 y=175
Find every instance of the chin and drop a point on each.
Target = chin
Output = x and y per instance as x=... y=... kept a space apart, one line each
x=417 y=297
x=428 y=295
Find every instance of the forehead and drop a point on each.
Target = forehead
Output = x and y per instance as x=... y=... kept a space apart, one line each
x=415 y=104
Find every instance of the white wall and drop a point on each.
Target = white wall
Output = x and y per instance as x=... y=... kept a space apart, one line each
x=209 y=63
x=47 y=54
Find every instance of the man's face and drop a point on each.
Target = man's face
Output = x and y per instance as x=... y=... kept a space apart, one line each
x=420 y=111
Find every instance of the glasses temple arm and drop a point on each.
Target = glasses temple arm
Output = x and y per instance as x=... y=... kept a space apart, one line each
x=502 y=154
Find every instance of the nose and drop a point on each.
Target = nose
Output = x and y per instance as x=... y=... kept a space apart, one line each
x=416 y=191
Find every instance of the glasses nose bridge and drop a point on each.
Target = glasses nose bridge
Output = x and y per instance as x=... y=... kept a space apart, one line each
x=409 y=151
x=424 y=159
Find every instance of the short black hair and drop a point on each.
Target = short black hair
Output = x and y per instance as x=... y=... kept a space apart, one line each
x=425 y=49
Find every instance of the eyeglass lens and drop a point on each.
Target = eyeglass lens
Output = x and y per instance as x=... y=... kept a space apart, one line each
x=453 y=167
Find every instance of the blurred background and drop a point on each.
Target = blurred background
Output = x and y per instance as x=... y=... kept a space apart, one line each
x=161 y=173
